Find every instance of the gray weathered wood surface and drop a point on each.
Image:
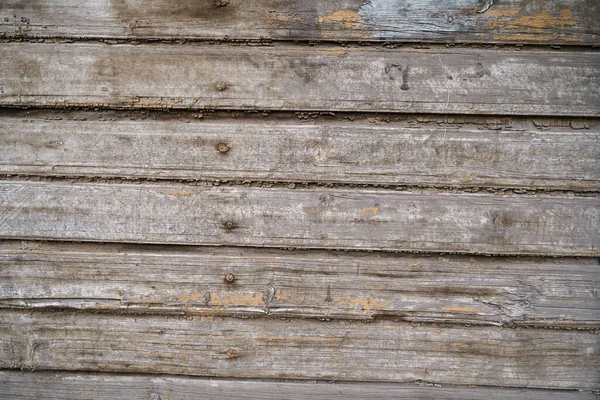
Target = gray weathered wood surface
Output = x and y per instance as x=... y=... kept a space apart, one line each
x=306 y=284
x=301 y=349
x=480 y=152
x=512 y=21
x=426 y=220
x=438 y=80
x=49 y=385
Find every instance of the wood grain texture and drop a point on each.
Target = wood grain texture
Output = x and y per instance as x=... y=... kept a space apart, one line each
x=482 y=152
x=487 y=21
x=320 y=218
x=303 y=349
x=439 y=80
x=49 y=385
x=305 y=284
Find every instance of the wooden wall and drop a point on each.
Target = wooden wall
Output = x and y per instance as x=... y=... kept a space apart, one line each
x=219 y=199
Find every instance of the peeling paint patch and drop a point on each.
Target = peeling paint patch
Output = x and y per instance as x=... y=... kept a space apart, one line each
x=180 y=192
x=192 y=297
x=544 y=20
x=366 y=304
x=503 y=12
x=350 y=19
x=524 y=37
x=462 y=308
x=249 y=299
x=372 y=210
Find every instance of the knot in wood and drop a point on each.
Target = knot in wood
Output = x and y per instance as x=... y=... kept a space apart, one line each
x=231 y=354
x=228 y=225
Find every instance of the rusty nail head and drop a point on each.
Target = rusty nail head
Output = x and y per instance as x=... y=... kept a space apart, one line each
x=222 y=147
x=229 y=278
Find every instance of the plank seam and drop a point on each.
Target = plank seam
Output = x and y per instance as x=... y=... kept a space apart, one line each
x=181 y=312
x=301 y=185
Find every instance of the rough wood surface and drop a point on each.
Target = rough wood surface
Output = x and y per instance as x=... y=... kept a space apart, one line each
x=313 y=284
x=426 y=220
x=438 y=80
x=512 y=21
x=303 y=349
x=50 y=385
x=457 y=151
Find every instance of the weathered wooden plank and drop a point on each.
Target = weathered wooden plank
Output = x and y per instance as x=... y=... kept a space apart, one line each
x=507 y=152
x=19 y=385
x=320 y=217
x=520 y=21
x=313 y=284
x=439 y=80
x=297 y=348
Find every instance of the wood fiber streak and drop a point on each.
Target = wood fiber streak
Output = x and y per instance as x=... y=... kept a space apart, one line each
x=364 y=219
x=506 y=152
x=479 y=21
x=303 y=349
x=49 y=385
x=461 y=81
x=305 y=284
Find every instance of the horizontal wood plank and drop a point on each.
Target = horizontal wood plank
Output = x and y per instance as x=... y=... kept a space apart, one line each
x=303 y=349
x=305 y=284
x=320 y=218
x=439 y=80
x=513 y=21
x=18 y=385
x=481 y=152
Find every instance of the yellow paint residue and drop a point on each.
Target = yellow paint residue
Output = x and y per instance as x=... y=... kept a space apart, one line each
x=180 y=192
x=366 y=304
x=372 y=210
x=358 y=35
x=185 y=298
x=248 y=299
x=462 y=308
x=282 y=296
x=427 y=329
x=593 y=248
x=505 y=12
x=526 y=38
x=336 y=52
x=460 y=345
x=544 y=20
x=350 y=19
